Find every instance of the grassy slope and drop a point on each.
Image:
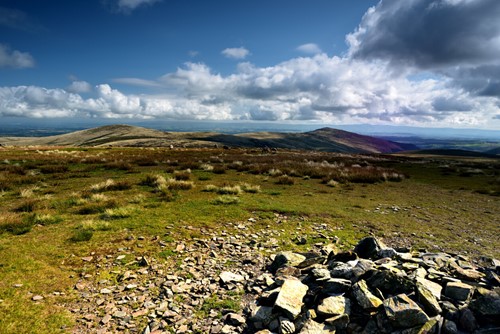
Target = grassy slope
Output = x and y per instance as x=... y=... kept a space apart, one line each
x=438 y=209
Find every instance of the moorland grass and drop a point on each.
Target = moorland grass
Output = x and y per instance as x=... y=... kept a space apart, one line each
x=42 y=240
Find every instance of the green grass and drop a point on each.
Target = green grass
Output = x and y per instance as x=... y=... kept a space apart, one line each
x=68 y=214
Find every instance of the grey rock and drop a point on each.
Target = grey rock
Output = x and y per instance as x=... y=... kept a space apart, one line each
x=404 y=312
x=449 y=327
x=334 y=305
x=433 y=287
x=387 y=253
x=428 y=300
x=234 y=319
x=338 y=322
x=229 y=277
x=313 y=327
x=487 y=306
x=458 y=291
x=390 y=283
x=364 y=297
x=106 y=319
x=320 y=273
x=286 y=258
x=368 y=247
x=37 y=298
x=340 y=270
x=467 y=320
x=263 y=314
x=336 y=285
x=286 y=326
x=290 y=297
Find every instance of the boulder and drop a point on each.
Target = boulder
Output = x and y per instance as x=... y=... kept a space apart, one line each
x=369 y=247
x=404 y=312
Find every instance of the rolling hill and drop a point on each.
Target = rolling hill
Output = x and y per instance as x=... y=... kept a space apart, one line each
x=325 y=139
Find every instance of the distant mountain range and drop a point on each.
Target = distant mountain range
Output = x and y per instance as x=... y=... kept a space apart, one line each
x=325 y=139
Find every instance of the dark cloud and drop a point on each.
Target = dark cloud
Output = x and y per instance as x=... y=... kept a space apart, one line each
x=258 y=114
x=430 y=34
x=451 y=104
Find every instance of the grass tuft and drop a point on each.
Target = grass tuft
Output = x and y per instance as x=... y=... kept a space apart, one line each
x=226 y=200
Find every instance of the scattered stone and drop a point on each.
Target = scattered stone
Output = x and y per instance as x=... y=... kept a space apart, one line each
x=106 y=319
x=37 y=298
x=319 y=291
x=229 y=277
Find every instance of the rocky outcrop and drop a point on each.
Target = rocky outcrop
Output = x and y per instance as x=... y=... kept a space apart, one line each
x=376 y=289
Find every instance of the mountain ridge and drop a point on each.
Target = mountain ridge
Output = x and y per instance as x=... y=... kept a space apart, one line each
x=323 y=139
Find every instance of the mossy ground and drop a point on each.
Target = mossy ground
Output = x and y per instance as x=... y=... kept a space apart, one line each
x=56 y=209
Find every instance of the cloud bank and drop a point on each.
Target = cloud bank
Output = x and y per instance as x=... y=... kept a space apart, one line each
x=397 y=71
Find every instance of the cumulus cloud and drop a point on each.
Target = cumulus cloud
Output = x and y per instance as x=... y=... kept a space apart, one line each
x=127 y=6
x=319 y=88
x=236 y=53
x=309 y=48
x=78 y=86
x=15 y=59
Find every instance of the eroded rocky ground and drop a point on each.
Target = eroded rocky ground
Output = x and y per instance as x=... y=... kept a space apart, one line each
x=242 y=283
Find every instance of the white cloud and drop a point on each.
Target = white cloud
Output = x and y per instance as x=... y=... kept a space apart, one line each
x=78 y=86
x=236 y=53
x=309 y=48
x=129 y=5
x=15 y=59
x=318 y=88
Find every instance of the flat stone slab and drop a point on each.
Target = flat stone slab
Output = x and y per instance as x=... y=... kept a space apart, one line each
x=458 y=291
x=334 y=305
x=428 y=300
x=404 y=312
x=229 y=277
x=290 y=297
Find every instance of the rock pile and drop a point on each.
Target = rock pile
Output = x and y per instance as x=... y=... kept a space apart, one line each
x=375 y=289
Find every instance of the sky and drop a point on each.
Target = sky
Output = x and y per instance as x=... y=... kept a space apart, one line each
x=425 y=63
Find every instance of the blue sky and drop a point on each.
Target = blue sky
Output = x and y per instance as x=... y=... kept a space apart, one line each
x=429 y=63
